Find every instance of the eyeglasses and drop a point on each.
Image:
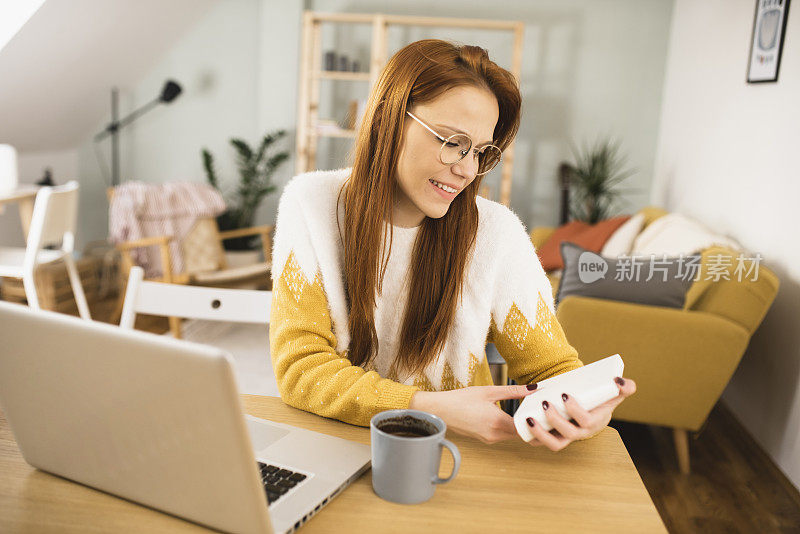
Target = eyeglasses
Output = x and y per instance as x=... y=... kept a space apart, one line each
x=457 y=146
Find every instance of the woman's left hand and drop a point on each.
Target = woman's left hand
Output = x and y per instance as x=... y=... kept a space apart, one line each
x=583 y=423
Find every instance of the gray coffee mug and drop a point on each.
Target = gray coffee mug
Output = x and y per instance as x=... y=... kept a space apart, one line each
x=405 y=470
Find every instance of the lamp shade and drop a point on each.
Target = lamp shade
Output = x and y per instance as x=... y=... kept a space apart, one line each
x=8 y=168
x=170 y=91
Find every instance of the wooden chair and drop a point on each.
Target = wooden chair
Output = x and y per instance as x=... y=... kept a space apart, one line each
x=53 y=222
x=205 y=264
x=204 y=261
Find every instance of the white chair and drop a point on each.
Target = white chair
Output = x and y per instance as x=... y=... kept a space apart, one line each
x=53 y=222
x=192 y=302
x=247 y=343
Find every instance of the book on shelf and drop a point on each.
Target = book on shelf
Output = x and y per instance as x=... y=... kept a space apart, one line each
x=328 y=126
x=350 y=122
x=355 y=112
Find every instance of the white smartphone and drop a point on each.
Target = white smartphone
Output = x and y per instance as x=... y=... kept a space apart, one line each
x=590 y=385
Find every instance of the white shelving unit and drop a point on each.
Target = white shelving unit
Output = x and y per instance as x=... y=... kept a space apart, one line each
x=309 y=125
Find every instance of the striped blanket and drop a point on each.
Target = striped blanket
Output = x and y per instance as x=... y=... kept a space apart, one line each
x=139 y=210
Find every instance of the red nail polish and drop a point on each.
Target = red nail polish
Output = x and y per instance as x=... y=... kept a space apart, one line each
x=619 y=381
x=545 y=405
x=531 y=387
x=529 y=420
x=564 y=397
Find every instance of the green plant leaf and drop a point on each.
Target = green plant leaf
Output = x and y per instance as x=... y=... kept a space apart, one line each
x=243 y=149
x=593 y=179
x=266 y=142
x=255 y=182
x=208 y=165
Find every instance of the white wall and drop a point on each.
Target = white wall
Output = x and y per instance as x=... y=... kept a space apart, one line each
x=57 y=70
x=277 y=88
x=216 y=62
x=727 y=155
x=589 y=68
x=31 y=166
x=63 y=163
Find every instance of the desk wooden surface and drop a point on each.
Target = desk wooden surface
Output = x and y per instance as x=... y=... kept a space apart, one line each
x=591 y=486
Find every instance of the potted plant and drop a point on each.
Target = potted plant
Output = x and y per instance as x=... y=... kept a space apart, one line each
x=255 y=182
x=593 y=178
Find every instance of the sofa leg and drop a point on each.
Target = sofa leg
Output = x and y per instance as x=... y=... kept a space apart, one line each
x=681 y=438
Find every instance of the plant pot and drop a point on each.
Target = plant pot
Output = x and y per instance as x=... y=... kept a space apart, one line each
x=240 y=258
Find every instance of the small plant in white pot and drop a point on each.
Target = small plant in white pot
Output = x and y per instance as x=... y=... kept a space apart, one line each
x=255 y=182
x=594 y=178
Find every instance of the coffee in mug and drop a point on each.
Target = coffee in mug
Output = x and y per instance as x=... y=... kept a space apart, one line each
x=407 y=426
x=406 y=453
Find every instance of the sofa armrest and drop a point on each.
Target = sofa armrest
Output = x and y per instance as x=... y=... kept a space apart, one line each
x=681 y=360
x=738 y=297
x=540 y=235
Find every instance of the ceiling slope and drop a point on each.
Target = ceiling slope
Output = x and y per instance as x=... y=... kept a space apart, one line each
x=57 y=71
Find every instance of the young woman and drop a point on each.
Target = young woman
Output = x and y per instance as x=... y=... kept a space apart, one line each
x=390 y=276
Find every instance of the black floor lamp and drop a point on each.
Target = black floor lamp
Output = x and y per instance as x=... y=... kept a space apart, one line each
x=169 y=93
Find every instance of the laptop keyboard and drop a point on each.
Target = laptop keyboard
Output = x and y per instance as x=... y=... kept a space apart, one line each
x=277 y=480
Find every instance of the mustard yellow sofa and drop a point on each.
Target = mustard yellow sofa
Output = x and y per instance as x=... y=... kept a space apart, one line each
x=681 y=359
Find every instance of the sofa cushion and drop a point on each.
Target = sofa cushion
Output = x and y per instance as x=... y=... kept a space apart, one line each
x=675 y=234
x=590 y=236
x=621 y=241
x=655 y=281
x=651 y=214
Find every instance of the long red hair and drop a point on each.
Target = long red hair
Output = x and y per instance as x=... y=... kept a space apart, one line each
x=416 y=74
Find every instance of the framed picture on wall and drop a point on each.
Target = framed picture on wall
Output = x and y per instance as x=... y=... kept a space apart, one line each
x=769 y=27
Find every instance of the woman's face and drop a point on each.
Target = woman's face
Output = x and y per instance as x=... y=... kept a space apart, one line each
x=464 y=109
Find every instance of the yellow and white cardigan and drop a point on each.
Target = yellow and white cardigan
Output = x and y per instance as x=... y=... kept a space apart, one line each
x=507 y=300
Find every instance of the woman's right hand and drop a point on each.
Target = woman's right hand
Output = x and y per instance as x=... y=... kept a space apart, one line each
x=472 y=411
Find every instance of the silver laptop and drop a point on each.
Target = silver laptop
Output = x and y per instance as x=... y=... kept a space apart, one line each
x=159 y=421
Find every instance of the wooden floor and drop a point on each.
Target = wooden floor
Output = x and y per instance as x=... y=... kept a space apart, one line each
x=733 y=487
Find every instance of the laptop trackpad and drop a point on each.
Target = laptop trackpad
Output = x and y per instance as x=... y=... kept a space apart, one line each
x=263 y=434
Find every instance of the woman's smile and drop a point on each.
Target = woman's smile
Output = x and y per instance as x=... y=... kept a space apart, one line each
x=444 y=194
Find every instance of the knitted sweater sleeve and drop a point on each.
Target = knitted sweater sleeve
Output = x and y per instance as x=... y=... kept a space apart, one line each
x=523 y=326
x=310 y=374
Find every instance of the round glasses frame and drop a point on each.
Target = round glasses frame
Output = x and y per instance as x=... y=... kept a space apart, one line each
x=446 y=140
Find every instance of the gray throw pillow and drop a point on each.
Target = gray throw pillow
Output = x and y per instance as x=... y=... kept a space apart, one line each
x=653 y=280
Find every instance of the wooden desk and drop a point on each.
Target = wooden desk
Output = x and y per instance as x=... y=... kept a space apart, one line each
x=591 y=486
x=24 y=196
